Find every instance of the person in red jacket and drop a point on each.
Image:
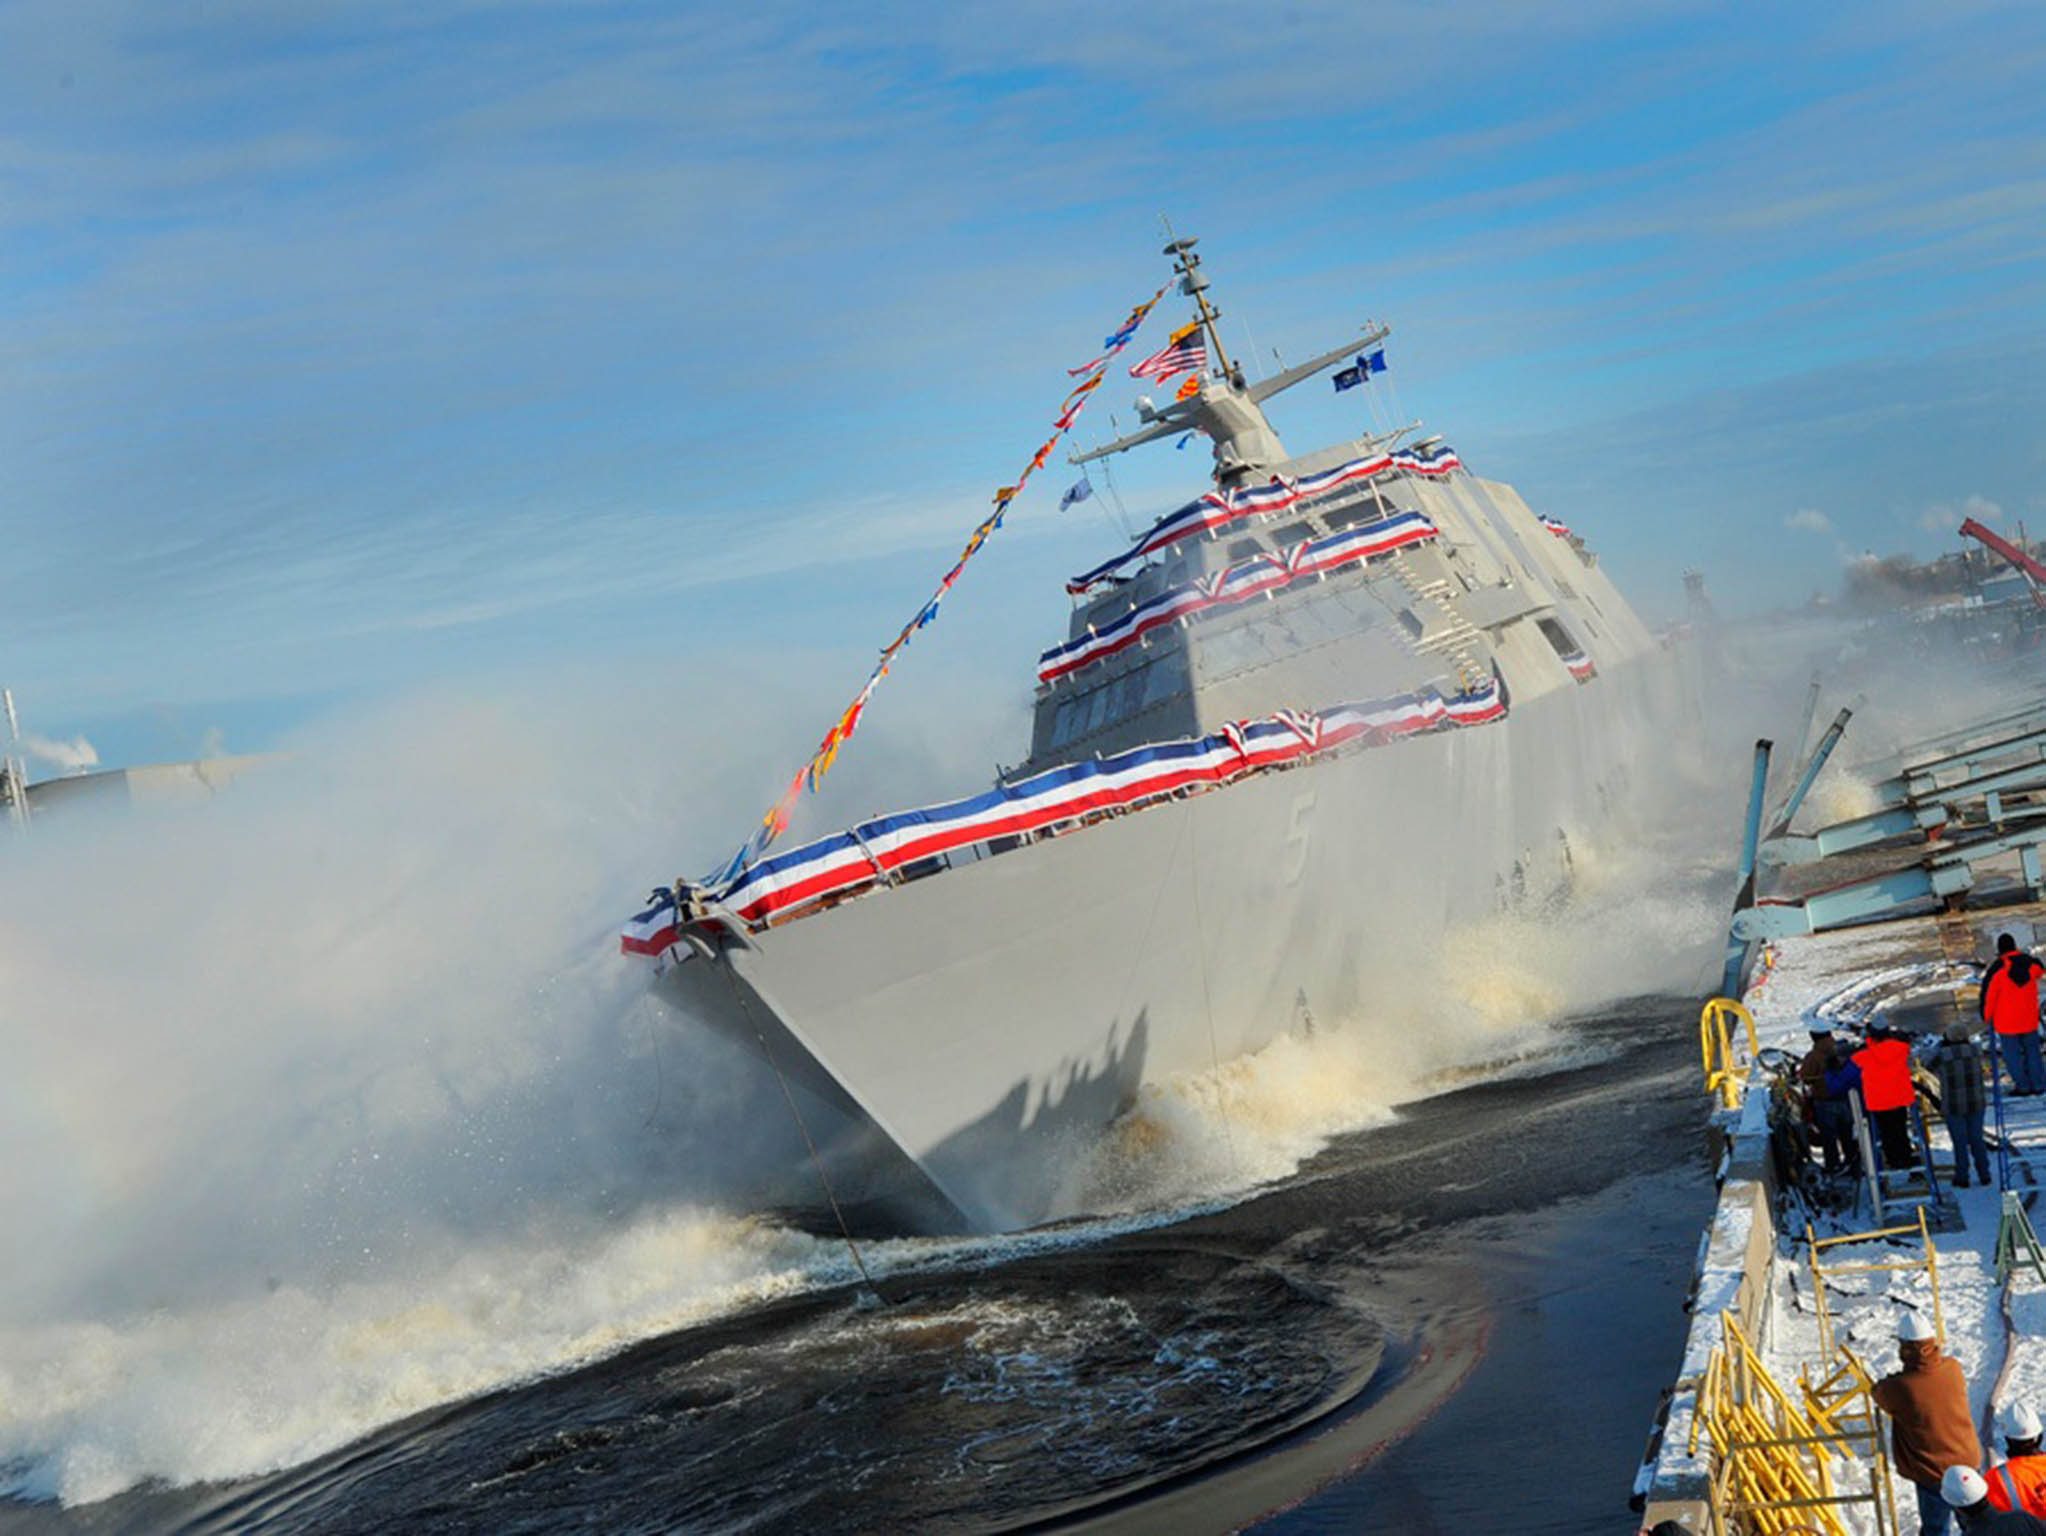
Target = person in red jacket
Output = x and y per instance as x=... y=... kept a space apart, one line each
x=1888 y=1093
x=2010 y=1002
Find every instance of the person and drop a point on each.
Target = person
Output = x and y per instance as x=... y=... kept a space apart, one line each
x=1888 y=1093
x=2020 y=1483
x=2009 y=1000
x=1832 y=1116
x=1966 y=1493
x=1931 y=1428
x=1958 y=1065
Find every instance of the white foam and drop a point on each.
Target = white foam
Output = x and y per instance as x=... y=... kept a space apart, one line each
x=89 y=1408
x=341 y=1107
x=1643 y=918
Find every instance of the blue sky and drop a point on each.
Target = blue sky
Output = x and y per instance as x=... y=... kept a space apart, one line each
x=348 y=350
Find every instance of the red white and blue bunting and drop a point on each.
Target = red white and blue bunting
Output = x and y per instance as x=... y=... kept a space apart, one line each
x=875 y=851
x=776 y=821
x=1581 y=666
x=1238 y=584
x=1560 y=530
x=654 y=930
x=1219 y=509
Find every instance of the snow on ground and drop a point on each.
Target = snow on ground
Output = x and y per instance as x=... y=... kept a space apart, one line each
x=1797 y=975
x=2003 y=1364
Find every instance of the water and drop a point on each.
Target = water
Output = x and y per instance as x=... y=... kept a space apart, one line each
x=368 y=1189
x=1503 y=1237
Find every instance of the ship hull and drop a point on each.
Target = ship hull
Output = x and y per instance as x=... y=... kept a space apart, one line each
x=991 y=1020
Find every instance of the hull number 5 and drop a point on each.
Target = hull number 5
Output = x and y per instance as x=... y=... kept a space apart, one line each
x=1296 y=836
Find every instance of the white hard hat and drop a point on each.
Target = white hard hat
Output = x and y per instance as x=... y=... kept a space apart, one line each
x=1913 y=1328
x=1963 y=1487
x=2018 y=1422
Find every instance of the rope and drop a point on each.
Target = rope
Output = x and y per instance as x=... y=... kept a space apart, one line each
x=2010 y=1337
x=816 y=1162
x=653 y=1036
x=1122 y=514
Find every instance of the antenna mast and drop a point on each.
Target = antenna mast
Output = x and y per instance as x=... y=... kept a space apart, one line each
x=13 y=772
x=1194 y=284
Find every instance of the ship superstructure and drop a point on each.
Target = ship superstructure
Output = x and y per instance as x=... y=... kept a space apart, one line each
x=1319 y=680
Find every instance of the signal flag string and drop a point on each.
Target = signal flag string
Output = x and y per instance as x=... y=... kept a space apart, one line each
x=808 y=777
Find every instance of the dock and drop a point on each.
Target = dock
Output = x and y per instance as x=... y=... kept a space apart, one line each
x=1883 y=921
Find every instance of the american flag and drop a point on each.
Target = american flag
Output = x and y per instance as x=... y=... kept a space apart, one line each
x=1184 y=349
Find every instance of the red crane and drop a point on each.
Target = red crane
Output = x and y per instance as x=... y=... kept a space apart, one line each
x=2033 y=572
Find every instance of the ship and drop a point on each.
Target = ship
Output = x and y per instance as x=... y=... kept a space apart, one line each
x=1337 y=704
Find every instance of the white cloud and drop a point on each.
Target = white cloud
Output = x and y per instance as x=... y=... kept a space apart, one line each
x=73 y=756
x=1944 y=516
x=1808 y=520
x=1983 y=509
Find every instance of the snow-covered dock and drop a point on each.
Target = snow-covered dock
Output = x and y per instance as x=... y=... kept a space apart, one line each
x=1756 y=1275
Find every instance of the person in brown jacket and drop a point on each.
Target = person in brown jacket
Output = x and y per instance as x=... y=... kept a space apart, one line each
x=1931 y=1428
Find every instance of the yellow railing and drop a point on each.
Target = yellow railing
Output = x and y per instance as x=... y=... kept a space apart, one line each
x=1784 y=1465
x=1716 y=1043
x=1928 y=1261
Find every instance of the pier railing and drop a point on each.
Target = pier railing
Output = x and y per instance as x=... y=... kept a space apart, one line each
x=1716 y=1041
x=1784 y=1463
x=1823 y=1270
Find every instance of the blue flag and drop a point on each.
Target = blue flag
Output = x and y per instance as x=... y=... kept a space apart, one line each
x=1082 y=489
x=1374 y=363
x=1349 y=378
x=1184 y=441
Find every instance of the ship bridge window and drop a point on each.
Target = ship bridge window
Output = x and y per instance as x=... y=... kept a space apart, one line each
x=1410 y=623
x=1291 y=534
x=1243 y=549
x=1062 y=722
x=1116 y=701
x=1164 y=678
x=1558 y=638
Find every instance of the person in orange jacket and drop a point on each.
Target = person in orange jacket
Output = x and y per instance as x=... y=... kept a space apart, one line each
x=2020 y=1483
x=2010 y=1002
x=1887 y=1093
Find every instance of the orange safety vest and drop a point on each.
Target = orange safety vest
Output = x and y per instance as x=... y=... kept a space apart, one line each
x=1885 y=1075
x=2013 y=1009
x=2020 y=1483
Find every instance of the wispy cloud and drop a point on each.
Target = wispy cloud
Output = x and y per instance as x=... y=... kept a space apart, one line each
x=1943 y=516
x=73 y=756
x=366 y=320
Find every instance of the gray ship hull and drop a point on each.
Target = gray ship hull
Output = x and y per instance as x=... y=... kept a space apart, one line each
x=992 y=1020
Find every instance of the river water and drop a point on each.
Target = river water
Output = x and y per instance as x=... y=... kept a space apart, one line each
x=1457 y=1320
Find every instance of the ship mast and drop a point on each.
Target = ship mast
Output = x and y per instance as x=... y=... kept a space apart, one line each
x=1194 y=284
x=1227 y=409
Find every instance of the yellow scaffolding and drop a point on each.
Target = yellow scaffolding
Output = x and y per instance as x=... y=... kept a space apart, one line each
x=1821 y=1272
x=1774 y=1455
x=1715 y=1044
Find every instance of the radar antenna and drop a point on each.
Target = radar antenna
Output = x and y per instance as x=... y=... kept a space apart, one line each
x=1193 y=282
x=1225 y=407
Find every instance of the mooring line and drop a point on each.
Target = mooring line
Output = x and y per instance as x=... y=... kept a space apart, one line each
x=816 y=1162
